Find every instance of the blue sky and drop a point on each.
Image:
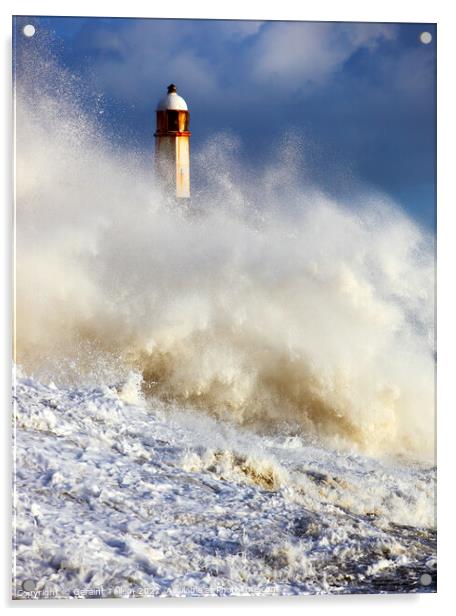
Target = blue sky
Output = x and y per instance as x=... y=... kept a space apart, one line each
x=361 y=96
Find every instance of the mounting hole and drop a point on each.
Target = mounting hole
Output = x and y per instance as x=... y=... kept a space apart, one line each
x=28 y=585
x=29 y=30
x=426 y=38
x=425 y=579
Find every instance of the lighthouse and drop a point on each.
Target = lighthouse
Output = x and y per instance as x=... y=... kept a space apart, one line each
x=172 y=144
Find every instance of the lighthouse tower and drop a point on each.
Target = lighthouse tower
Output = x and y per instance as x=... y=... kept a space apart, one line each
x=172 y=144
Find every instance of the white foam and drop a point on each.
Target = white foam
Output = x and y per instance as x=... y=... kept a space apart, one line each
x=117 y=496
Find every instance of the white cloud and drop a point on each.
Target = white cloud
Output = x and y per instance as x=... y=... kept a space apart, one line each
x=310 y=51
x=136 y=62
x=237 y=30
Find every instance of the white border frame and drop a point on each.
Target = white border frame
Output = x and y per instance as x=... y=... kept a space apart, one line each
x=323 y=10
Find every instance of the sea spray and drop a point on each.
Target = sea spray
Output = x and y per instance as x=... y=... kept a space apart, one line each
x=277 y=307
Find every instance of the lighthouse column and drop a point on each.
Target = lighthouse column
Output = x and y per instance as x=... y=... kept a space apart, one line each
x=172 y=144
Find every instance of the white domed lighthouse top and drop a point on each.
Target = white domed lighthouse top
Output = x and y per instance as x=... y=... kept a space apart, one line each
x=172 y=101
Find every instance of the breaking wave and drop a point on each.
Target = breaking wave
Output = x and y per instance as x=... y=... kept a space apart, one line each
x=263 y=302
